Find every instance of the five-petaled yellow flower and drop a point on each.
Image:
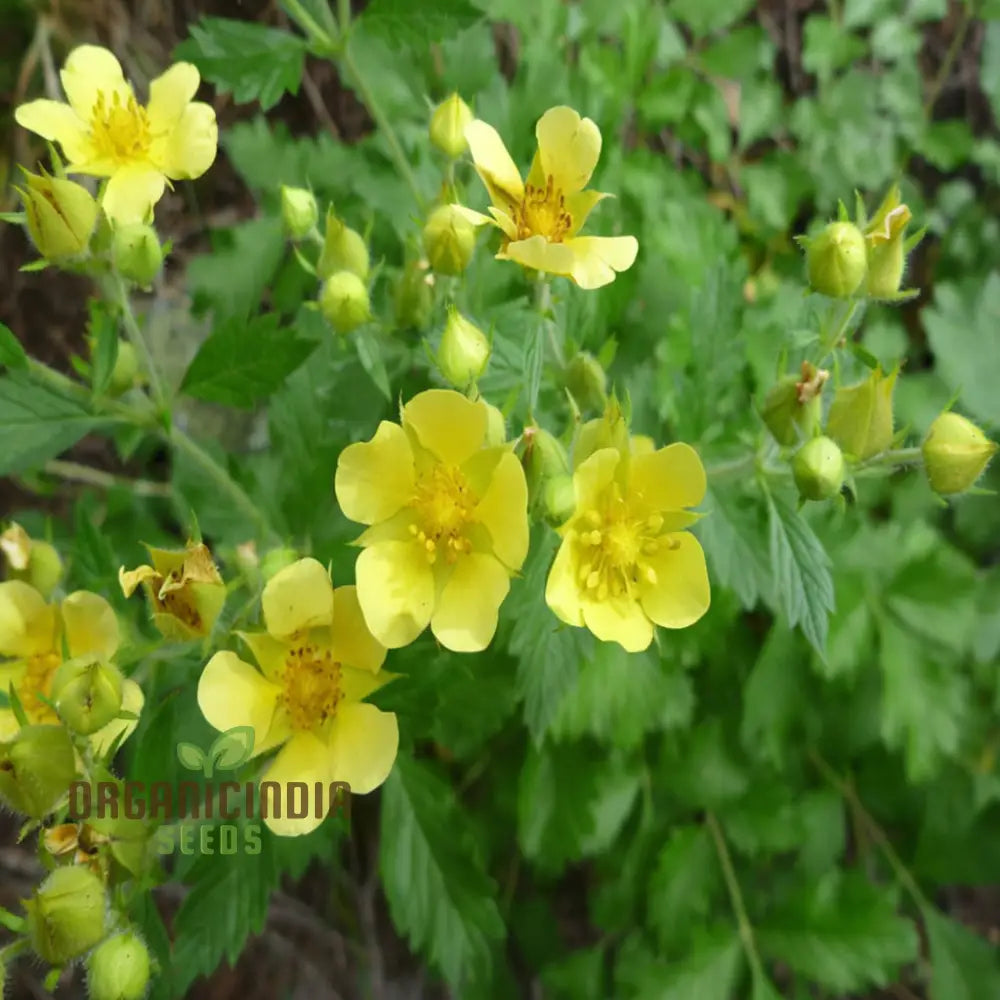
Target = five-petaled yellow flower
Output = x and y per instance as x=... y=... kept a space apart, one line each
x=625 y=562
x=448 y=522
x=104 y=131
x=31 y=637
x=318 y=661
x=541 y=217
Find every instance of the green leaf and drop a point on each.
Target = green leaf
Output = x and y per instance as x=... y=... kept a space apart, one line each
x=989 y=78
x=682 y=884
x=104 y=331
x=232 y=748
x=11 y=352
x=253 y=62
x=963 y=965
x=37 y=424
x=439 y=894
x=408 y=24
x=191 y=756
x=241 y=363
x=735 y=540
x=801 y=572
x=370 y=355
x=708 y=971
x=704 y=17
x=534 y=361
x=826 y=46
x=842 y=932
x=705 y=771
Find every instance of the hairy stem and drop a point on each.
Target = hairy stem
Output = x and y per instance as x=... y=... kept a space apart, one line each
x=75 y=472
x=138 y=341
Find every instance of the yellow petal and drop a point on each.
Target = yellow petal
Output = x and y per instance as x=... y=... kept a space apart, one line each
x=133 y=701
x=619 y=620
x=89 y=70
x=681 y=594
x=569 y=147
x=297 y=598
x=356 y=685
x=352 y=643
x=170 y=94
x=504 y=511
x=232 y=693
x=396 y=529
x=395 y=590
x=90 y=625
x=597 y=258
x=465 y=619
x=494 y=165
x=539 y=254
x=132 y=192
x=579 y=206
x=27 y=623
x=307 y=758
x=363 y=745
x=271 y=654
x=446 y=423
x=190 y=147
x=376 y=478
x=562 y=590
x=470 y=215
x=641 y=444
x=593 y=476
x=56 y=122
x=668 y=479
x=504 y=221
x=129 y=579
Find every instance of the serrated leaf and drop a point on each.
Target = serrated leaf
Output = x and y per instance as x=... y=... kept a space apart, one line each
x=104 y=331
x=408 y=24
x=708 y=971
x=254 y=62
x=963 y=965
x=682 y=884
x=370 y=355
x=439 y=895
x=705 y=770
x=735 y=539
x=11 y=352
x=242 y=363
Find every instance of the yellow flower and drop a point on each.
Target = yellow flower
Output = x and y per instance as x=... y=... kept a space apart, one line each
x=540 y=218
x=318 y=662
x=448 y=522
x=32 y=634
x=104 y=131
x=184 y=588
x=625 y=562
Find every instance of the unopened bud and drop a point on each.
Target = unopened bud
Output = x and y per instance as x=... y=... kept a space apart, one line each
x=449 y=239
x=544 y=458
x=607 y=431
x=587 y=382
x=137 y=253
x=277 y=559
x=67 y=915
x=464 y=350
x=60 y=215
x=886 y=252
x=836 y=260
x=125 y=374
x=344 y=249
x=559 y=500
x=87 y=694
x=447 y=126
x=496 y=427
x=37 y=765
x=30 y=560
x=860 y=419
x=118 y=969
x=955 y=454
x=792 y=407
x=299 y=211
x=344 y=302
x=818 y=468
x=413 y=298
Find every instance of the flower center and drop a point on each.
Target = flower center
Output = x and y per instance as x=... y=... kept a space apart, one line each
x=120 y=132
x=312 y=687
x=37 y=680
x=444 y=505
x=542 y=212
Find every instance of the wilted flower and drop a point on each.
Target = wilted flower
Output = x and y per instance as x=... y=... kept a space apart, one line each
x=887 y=248
x=31 y=560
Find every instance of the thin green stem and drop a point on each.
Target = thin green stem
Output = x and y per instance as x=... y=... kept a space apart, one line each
x=968 y=13
x=344 y=17
x=13 y=950
x=829 y=344
x=75 y=472
x=736 y=897
x=893 y=457
x=138 y=341
x=543 y=303
x=56 y=380
x=318 y=35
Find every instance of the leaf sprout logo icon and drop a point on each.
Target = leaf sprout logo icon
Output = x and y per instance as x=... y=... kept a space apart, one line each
x=231 y=750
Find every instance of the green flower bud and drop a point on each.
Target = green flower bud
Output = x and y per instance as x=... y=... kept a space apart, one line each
x=413 y=298
x=118 y=969
x=447 y=126
x=886 y=251
x=818 y=468
x=87 y=694
x=607 y=431
x=496 y=427
x=464 y=350
x=587 y=382
x=37 y=766
x=277 y=559
x=860 y=419
x=450 y=240
x=299 y=211
x=544 y=458
x=955 y=454
x=60 y=215
x=792 y=407
x=343 y=250
x=836 y=260
x=344 y=302
x=137 y=253
x=125 y=374
x=559 y=500
x=67 y=915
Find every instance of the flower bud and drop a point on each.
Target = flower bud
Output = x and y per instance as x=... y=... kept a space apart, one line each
x=860 y=419
x=343 y=250
x=587 y=382
x=886 y=252
x=447 y=127
x=607 y=431
x=818 y=468
x=60 y=215
x=792 y=407
x=118 y=969
x=344 y=302
x=36 y=767
x=137 y=253
x=413 y=298
x=496 y=427
x=464 y=350
x=30 y=560
x=87 y=694
x=299 y=211
x=544 y=458
x=67 y=915
x=125 y=374
x=955 y=454
x=559 y=500
x=450 y=240
x=836 y=260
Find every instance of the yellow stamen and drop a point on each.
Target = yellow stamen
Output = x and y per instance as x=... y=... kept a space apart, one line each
x=311 y=687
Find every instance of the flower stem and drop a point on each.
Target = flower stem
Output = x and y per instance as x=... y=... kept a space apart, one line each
x=75 y=472
x=968 y=12
x=135 y=335
x=828 y=345
x=893 y=457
